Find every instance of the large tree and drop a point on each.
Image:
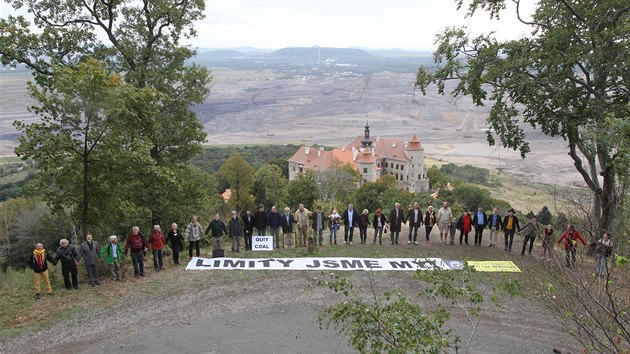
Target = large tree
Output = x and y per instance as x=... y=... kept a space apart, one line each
x=569 y=78
x=82 y=125
x=240 y=177
x=138 y=38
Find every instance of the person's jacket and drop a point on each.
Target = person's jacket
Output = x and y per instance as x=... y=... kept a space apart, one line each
x=430 y=218
x=346 y=218
x=273 y=220
x=515 y=225
x=376 y=218
x=313 y=218
x=108 y=252
x=499 y=224
x=260 y=220
x=396 y=219
x=410 y=215
x=136 y=243
x=234 y=227
x=248 y=224
x=363 y=221
x=32 y=263
x=475 y=220
x=571 y=239
x=67 y=254
x=90 y=256
x=217 y=228
x=287 y=226
x=156 y=240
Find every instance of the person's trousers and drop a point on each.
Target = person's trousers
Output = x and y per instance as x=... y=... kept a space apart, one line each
x=378 y=234
x=92 y=273
x=261 y=232
x=175 y=256
x=463 y=236
x=137 y=259
x=394 y=237
x=348 y=231
x=413 y=229
x=509 y=238
x=67 y=269
x=478 y=234
x=248 y=241
x=363 y=234
x=38 y=277
x=217 y=243
x=333 y=234
x=570 y=256
x=276 y=236
x=158 y=259
x=302 y=234
x=318 y=235
x=451 y=236
x=494 y=235
x=115 y=270
x=531 y=244
x=236 y=243
x=602 y=264
x=192 y=244
x=428 y=230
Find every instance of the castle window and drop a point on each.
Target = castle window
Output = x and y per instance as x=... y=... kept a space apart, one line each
x=365 y=170
x=402 y=167
x=419 y=177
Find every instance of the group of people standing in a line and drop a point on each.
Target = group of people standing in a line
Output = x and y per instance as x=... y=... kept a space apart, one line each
x=296 y=226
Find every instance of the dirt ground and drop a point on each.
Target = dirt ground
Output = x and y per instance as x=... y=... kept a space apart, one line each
x=179 y=311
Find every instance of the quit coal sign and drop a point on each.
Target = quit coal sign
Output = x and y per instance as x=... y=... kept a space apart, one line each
x=262 y=243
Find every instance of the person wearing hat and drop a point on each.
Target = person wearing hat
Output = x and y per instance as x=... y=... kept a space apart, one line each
x=38 y=262
x=113 y=253
x=510 y=226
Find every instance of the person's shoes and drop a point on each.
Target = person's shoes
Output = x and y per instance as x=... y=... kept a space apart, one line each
x=344 y=242
x=50 y=293
x=397 y=243
x=68 y=288
x=408 y=242
x=76 y=287
x=97 y=283
x=141 y=274
x=380 y=243
x=37 y=296
x=350 y=242
x=415 y=243
x=118 y=279
x=238 y=251
x=92 y=284
x=335 y=243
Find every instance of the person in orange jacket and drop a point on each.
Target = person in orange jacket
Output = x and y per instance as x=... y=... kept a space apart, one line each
x=571 y=238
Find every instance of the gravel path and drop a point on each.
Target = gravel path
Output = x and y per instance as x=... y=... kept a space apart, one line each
x=180 y=311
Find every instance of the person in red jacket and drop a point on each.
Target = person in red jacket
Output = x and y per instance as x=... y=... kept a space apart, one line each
x=571 y=238
x=138 y=247
x=157 y=241
x=465 y=226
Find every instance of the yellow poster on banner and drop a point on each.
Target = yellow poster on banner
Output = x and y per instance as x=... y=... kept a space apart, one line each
x=495 y=266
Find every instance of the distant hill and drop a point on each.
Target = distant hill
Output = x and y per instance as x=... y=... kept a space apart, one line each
x=315 y=53
x=221 y=53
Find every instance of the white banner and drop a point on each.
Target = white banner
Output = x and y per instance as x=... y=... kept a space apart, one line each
x=323 y=263
x=262 y=243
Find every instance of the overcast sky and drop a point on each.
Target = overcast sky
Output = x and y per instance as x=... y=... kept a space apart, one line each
x=405 y=24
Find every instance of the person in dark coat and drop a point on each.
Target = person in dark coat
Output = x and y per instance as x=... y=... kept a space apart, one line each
x=480 y=220
x=429 y=221
x=379 y=221
x=396 y=219
x=248 y=229
x=235 y=231
x=273 y=222
x=176 y=240
x=68 y=256
x=350 y=220
x=364 y=222
x=218 y=229
x=38 y=262
x=464 y=224
x=260 y=221
x=89 y=251
x=286 y=221
x=414 y=217
x=317 y=223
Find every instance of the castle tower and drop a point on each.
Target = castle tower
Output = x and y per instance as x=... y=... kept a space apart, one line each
x=367 y=166
x=366 y=143
x=419 y=182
